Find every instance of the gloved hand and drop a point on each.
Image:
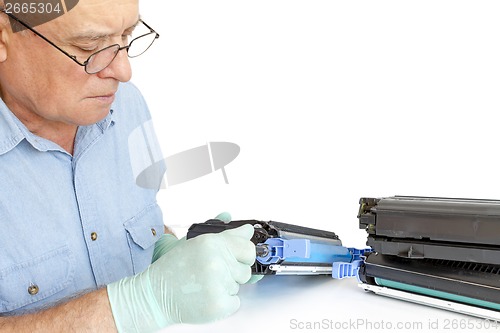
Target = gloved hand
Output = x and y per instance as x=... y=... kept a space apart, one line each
x=226 y=218
x=168 y=241
x=197 y=282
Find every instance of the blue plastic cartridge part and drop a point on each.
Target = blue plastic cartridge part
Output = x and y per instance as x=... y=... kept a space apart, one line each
x=342 y=270
x=276 y=250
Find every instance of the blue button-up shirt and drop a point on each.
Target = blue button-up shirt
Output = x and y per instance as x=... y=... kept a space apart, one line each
x=74 y=223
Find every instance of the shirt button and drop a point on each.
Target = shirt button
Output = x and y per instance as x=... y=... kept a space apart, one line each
x=93 y=236
x=33 y=290
x=153 y=231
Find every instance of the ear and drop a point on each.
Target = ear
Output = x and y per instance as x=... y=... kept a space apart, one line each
x=4 y=40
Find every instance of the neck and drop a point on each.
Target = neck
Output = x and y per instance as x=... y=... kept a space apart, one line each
x=58 y=132
x=64 y=136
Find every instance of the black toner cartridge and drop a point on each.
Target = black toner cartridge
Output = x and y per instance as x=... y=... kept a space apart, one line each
x=439 y=228
x=287 y=249
x=436 y=251
x=468 y=288
x=441 y=252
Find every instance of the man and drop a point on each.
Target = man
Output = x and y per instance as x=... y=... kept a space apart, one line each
x=77 y=234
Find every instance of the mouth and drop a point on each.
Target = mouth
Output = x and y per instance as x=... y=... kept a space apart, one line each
x=105 y=98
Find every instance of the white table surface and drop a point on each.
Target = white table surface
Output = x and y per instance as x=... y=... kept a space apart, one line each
x=322 y=304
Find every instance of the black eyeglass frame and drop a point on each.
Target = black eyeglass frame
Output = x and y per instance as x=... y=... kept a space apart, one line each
x=86 y=62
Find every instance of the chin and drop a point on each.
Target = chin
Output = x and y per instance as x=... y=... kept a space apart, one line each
x=91 y=117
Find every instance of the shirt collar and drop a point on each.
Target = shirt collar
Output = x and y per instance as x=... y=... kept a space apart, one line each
x=10 y=133
x=13 y=131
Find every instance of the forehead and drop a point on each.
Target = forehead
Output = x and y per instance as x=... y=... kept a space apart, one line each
x=102 y=16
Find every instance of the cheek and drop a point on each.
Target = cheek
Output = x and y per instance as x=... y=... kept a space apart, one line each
x=59 y=91
x=53 y=86
x=55 y=77
x=66 y=98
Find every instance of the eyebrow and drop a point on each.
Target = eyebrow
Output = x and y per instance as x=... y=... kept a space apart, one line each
x=95 y=35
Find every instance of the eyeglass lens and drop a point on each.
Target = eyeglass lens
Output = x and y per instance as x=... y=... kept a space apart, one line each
x=103 y=58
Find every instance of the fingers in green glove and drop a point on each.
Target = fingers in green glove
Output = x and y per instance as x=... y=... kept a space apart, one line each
x=166 y=243
x=224 y=217
x=255 y=278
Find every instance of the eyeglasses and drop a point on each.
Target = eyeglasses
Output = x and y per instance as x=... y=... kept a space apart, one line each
x=101 y=59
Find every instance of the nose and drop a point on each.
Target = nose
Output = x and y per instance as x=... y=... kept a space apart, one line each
x=119 y=68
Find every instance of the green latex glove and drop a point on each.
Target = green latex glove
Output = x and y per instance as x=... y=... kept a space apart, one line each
x=226 y=218
x=197 y=282
x=166 y=243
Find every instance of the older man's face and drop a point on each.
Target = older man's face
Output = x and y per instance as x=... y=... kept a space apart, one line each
x=40 y=83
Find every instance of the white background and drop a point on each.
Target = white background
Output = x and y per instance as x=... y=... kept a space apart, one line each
x=329 y=101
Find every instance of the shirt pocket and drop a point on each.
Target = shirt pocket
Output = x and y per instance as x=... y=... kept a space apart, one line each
x=143 y=231
x=36 y=280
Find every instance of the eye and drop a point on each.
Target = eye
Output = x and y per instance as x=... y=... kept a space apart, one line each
x=87 y=48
